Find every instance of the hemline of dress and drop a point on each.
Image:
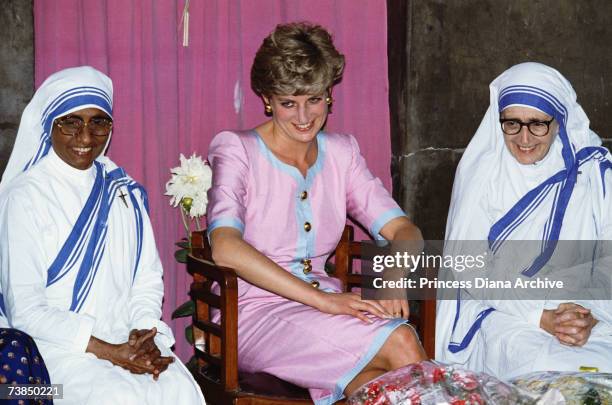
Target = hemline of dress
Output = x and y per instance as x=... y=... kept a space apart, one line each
x=380 y=338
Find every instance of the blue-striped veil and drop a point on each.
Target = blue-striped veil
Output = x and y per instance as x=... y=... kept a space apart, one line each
x=495 y=198
x=62 y=93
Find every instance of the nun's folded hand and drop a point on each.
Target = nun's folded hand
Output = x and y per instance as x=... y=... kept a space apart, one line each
x=573 y=324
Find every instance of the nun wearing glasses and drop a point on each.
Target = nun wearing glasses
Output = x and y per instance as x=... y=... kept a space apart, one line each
x=80 y=272
x=533 y=171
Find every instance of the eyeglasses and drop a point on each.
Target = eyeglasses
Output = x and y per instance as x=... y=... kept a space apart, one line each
x=513 y=127
x=72 y=126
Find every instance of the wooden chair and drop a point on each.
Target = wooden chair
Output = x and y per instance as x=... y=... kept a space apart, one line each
x=216 y=345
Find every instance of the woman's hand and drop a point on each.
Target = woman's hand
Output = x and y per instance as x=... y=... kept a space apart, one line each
x=351 y=304
x=409 y=236
x=574 y=324
x=570 y=323
x=396 y=307
x=129 y=355
x=142 y=341
x=123 y=355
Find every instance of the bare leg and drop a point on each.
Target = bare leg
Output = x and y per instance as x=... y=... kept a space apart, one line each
x=401 y=348
x=362 y=378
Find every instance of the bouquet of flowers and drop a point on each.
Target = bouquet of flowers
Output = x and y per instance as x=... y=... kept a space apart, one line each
x=432 y=383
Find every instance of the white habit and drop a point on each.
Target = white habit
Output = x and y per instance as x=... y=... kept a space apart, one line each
x=490 y=202
x=47 y=290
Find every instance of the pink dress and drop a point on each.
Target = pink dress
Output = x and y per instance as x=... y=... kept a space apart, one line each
x=290 y=218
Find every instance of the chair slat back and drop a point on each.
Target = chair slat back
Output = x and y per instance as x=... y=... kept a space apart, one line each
x=220 y=340
x=345 y=253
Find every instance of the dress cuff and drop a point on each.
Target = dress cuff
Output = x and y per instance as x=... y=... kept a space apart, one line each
x=226 y=221
x=382 y=220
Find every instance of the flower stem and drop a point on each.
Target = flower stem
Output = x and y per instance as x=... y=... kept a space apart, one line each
x=187 y=227
x=198 y=226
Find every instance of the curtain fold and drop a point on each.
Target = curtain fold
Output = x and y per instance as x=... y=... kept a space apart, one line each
x=170 y=99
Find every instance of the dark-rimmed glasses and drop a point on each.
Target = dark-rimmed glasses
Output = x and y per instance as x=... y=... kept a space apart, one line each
x=98 y=126
x=512 y=126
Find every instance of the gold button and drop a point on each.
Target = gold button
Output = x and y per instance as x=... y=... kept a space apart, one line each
x=304 y=195
x=305 y=261
x=307 y=226
x=307 y=268
x=315 y=284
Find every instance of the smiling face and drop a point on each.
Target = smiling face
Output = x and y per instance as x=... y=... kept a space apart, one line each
x=524 y=146
x=298 y=118
x=80 y=150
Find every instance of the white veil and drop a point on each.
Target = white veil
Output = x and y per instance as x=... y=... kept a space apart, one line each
x=496 y=198
x=63 y=92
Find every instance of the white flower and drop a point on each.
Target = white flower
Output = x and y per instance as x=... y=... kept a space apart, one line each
x=191 y=179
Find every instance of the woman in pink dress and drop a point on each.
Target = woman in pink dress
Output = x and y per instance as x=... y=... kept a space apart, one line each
x=277 y=207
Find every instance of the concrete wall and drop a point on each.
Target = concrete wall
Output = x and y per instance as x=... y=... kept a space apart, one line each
x=16 y=69
x=442 y=57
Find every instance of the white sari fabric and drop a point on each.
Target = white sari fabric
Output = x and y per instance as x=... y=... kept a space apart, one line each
x=79 y=260
x=565 y=196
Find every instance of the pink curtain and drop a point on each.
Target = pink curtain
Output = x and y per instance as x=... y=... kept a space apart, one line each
x=171 y=99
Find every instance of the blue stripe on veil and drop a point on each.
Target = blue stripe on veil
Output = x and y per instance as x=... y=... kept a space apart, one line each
x=85 y=245
x=66 y=101
x=72 y=248
x=499 y=232
x=93 y=256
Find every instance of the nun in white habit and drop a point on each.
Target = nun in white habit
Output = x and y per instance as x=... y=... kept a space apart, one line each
x=79 y=269
x=533 y=171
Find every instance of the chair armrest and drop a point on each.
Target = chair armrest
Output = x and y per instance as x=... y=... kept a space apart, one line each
x=224 y=276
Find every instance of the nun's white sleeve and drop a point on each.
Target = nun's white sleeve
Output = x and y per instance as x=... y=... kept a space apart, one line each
x=24 y=278
x=145 y=305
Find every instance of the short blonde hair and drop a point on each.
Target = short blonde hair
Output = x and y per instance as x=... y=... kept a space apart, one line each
x=296 y=59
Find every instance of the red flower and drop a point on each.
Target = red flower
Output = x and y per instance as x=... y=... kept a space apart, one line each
x=475 y=399
x=467 y=381
x=374 y=389
x=391 y=387
x=438 y=375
